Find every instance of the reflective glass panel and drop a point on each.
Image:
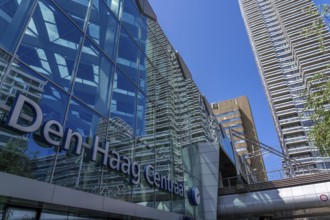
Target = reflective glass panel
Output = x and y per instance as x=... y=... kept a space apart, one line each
x=144 y=33
x=50 y=44
x=163 y=166
x=143 y=73
x=149 y=85
x=192 y=177
x=52 y=215
x=115 y=6
x=128 y=53
x=29 y=154
x=225 y=144
x=141 y=115
x=144 y=152
x=131 y=18
x=76 y=9
x=123 y=103
x=143 y=57
x=14 y=15
x=76 y=170
x=2 y=205
x=116 y=184
x=20 y=213
x=103 y=28
x=4 y=62
x=94 y=78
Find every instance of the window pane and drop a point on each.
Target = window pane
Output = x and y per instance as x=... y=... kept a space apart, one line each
x=143 y=58
x=50 y=44
x=141 y=115
x=123 y=104
x=144 y=33
x=76 y=9
x=28 y=154
x=144 y=193
x=128 y=53
x=117 y=184
x=4 y=62
x=53 y=215
x=120 y=136
x=142 y=73
x=131 y=18
x=14 y=15
x=77 y=170
x=103 y=28
x=20 y=213
x=94 y=78
x=115 y=6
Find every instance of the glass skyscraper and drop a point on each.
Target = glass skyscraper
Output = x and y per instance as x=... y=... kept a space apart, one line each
x=287 y=59
x=104 y=105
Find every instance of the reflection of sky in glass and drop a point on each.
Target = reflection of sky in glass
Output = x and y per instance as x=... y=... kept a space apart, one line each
x=226 y=146
x=62 y=66
x=32 y=29
x=51 y=32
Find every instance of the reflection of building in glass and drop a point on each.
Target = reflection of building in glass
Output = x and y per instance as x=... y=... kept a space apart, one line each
x=15 y=146
x=17 y=81
x=105 y=70
x=236 y=114
x=287 y=59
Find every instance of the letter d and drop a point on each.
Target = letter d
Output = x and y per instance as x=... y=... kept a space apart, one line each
x=16 y=110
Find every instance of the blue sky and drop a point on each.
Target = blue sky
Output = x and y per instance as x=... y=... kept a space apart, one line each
x=211 y=37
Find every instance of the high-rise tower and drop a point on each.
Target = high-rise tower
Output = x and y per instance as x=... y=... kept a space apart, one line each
x=287 y=59
x=236 y=114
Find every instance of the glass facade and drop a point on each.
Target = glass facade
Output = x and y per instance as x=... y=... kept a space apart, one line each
x=104 y=70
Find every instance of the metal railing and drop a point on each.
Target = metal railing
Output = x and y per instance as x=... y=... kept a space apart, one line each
x=282 y=174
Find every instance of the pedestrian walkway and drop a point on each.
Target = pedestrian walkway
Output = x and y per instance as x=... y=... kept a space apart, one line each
x=289 y=198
